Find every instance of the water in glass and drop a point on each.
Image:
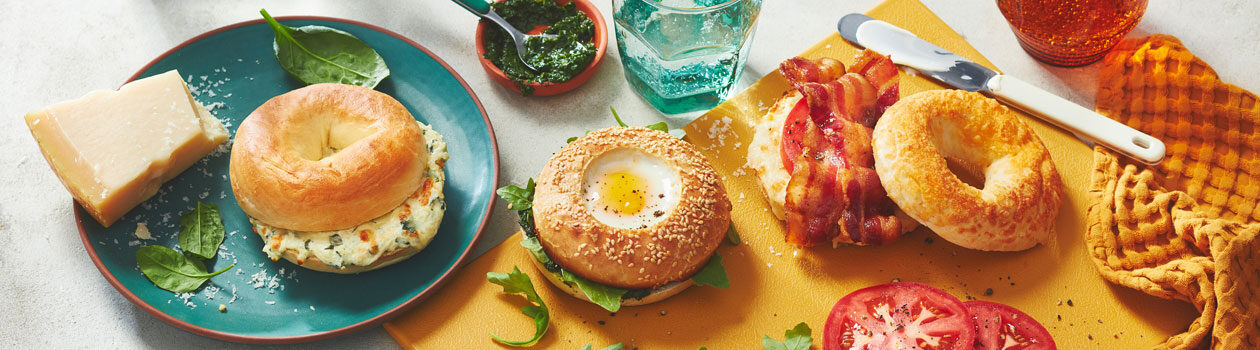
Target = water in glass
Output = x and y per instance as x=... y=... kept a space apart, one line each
x=684 y=55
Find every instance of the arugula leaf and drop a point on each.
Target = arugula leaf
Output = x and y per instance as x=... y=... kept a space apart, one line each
x=201 y=231
x=171 y=270
x=617 y=117
x=535 y=248
x=797 y=338
x=732 y=236
x=521 y=200
x=571 y=139
x=658 y=126
x=679 y=133
x=616 y=346
x=517 y=282
x=518 y=198
x=605 y=296
x=318 y=54
x=713 y=274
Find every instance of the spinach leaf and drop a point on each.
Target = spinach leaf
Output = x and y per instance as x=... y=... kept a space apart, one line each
x=605 y=296
x=518 y=198
x=732 y=236
x=713 y=274
x=171 y=270
x=517 y=282
x=318 y=54
x=797 y=338
x=201 y=231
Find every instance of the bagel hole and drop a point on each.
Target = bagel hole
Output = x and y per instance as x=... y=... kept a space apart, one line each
x=966 y=172
x=342 y=135
x=328 y=137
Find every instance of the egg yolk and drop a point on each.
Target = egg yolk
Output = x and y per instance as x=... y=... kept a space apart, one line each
x=623 y=192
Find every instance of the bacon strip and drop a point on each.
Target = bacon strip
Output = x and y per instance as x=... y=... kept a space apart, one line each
x=883 y=74
x=814 y=193
x=834 y=193
x=822 y=70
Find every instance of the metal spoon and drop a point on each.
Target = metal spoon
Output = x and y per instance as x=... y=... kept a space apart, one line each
x=483 y=9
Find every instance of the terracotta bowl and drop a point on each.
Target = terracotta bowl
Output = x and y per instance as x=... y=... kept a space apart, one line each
x=600 y=39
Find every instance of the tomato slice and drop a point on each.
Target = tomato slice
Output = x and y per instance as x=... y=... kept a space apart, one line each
x=900 y=315
x=1000 y=326
x=794 y=129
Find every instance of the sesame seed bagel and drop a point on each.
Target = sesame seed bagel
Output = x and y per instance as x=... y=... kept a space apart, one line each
x=673 y=248
x=326 y=157
x=1017 y=205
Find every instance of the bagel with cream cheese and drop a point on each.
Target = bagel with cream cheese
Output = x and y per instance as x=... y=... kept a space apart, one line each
x=1016 y=207
x=339 y=178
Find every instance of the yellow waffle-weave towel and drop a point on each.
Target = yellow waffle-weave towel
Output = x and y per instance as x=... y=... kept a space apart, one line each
x=1187 y=228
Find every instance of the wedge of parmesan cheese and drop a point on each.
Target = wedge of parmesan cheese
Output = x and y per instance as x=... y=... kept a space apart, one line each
x=114 y=149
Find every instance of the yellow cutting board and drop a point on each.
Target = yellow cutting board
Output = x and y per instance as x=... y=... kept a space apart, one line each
x=774 y=285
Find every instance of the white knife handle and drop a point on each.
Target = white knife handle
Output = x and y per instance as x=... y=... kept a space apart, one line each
x=1077 y=119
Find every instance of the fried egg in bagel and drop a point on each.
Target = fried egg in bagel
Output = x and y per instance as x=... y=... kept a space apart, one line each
x=630 y=208
x=1017 y=206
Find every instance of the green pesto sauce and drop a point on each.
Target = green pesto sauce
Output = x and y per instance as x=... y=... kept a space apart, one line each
x=558 y=60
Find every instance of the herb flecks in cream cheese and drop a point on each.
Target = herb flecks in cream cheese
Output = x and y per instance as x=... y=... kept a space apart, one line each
x=414 y=223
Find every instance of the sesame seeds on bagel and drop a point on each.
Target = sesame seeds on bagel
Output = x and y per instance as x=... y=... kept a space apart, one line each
x=656 y=238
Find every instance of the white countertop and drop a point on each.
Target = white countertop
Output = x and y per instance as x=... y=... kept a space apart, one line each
x=51 y=295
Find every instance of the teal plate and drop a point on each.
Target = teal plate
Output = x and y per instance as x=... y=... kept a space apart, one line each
x=233 y=70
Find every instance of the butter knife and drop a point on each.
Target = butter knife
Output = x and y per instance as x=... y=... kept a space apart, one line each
x=904 y=48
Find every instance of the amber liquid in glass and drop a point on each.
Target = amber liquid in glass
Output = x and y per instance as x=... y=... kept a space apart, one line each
x=1071 y=32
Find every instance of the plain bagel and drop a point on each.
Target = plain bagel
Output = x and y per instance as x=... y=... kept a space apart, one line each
x=326 y=157
x=1017 y=206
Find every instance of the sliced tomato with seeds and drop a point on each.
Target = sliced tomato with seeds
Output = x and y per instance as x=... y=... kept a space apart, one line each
x=794 y=129
x=1000 y=326
x=900 y=315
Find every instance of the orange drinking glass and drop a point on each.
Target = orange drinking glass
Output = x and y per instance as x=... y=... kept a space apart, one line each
x=1071 y=32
